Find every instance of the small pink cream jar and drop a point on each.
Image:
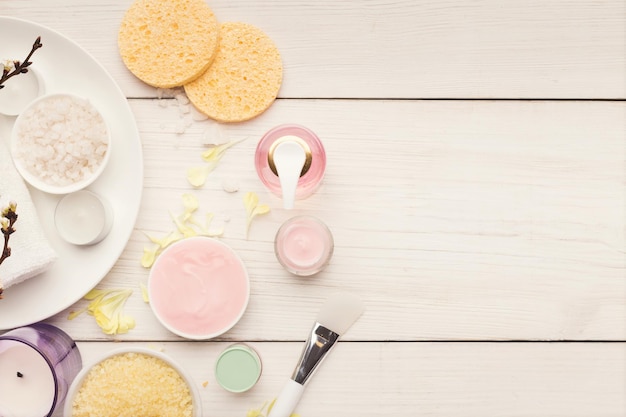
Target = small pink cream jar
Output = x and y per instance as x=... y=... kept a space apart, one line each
x=290 y=160
x=303 y=245
x=198 y=288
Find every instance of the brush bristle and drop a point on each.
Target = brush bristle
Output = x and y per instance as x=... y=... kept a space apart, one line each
x=340 y=311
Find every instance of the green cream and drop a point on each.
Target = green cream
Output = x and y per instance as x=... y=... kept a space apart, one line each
x=238 y=368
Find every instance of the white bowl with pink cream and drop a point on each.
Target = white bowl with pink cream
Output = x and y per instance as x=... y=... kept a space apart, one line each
x=198 y=288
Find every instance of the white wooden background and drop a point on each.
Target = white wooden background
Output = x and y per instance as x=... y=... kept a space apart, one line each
x=475 y=190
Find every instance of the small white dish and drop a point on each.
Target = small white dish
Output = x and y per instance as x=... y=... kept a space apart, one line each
x=83 y=218
x=84 y=373
x=60 y=143
x=19 y=91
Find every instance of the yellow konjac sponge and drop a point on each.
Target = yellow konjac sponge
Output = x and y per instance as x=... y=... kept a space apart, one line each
x=245 y=76
x=168 y=43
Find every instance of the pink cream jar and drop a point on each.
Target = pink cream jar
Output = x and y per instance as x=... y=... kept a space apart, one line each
x=304 y=245
x=198 y=288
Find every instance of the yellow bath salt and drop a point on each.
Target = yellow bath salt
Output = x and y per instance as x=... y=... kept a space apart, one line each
x=132 y=385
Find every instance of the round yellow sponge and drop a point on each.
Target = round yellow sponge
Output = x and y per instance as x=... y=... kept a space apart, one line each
x=245 y=76
x=167 y=43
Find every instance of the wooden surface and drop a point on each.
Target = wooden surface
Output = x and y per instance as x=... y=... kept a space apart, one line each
x=475 y=191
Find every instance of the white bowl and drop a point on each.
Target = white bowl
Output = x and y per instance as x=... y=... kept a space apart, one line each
x=198 y=288
x=50 y=130
x=78 y=381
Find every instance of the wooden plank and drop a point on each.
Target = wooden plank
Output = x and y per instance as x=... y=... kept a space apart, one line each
x=427 y=379
x=399 y=49
x=454 y=220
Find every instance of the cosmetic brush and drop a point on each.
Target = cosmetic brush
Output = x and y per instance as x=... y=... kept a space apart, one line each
x=335 y=317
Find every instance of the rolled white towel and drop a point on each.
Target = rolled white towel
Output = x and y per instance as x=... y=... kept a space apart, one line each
x=31 y=252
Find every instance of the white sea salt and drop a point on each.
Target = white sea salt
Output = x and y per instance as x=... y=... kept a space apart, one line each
x=61 y=139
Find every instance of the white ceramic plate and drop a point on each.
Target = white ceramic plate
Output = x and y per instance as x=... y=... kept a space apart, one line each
x=66 y=68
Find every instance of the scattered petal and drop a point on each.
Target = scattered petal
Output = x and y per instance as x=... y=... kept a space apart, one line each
x=190 y=202
x=187 y=225
x=148 y=258
x=106 y=307
x=144 y=292
x=251 y=201
x=215 y=153
x=197 y=175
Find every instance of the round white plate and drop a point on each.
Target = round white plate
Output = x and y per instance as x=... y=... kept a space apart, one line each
x=66 y=68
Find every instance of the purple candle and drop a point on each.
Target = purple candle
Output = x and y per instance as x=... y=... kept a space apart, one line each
x=37 y=365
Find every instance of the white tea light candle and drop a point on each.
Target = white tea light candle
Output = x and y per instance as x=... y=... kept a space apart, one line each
x=83 y=218
x=37 y=365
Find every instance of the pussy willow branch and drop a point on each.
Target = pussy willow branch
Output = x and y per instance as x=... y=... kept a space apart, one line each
x=7 y=232
x=20 y=68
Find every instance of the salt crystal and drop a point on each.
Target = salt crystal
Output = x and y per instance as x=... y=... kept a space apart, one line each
x=230 y=186
x=214 y=135
x=196 y=115
x=181 y=98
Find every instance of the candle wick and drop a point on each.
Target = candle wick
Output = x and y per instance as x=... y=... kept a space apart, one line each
x=19 y=374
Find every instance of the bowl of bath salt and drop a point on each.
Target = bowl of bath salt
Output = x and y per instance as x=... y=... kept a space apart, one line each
x=60 y=143
x=133 y=381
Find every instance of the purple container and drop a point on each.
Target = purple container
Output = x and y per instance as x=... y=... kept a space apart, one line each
x=37 y=365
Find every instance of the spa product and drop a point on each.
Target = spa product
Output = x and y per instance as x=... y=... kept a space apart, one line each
x=238 y=368
x=37 y=365
x=83 y=218
x=245 y=76
x=60 y=143
x=303 y=245
x=290 y=160
x=198 y=288
x=133 y=382
x=167 y=43
x=336 y=316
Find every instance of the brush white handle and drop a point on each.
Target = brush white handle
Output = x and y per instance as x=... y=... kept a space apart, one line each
x=287 y=399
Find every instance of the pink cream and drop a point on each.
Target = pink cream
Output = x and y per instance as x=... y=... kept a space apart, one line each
x=199 y=288
x=303 y=245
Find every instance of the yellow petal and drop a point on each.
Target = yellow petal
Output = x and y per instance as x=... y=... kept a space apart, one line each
x=149 y=255
x=164 y=241
x=190 y=202
x=197 y=175
x=262 y=209
x=125 y=324
x=192 y=221
x=144 y=292
x=215 y=153
x=96 y=293
x=210 y=155
x=108 y=312
x=182 y=227
x=269 y=407
x=250 y=200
